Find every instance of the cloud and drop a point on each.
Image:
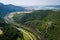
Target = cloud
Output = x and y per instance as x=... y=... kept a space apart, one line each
x=31 y=2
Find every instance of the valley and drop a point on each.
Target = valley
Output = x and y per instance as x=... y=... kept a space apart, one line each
x=33 y=25
x=29 y=19
x=41 y=22
x=30 y=35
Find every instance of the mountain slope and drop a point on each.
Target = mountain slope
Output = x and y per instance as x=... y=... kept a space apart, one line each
x=4 y=9
x=51 y=26
x=46 y=21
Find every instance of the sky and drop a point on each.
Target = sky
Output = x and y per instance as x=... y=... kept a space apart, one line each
x=31 y=2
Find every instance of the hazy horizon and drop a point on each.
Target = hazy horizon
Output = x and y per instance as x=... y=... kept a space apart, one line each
x=31 y=2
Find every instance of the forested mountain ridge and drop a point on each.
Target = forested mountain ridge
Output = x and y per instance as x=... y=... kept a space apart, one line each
x=46 y=21
x=5 y=9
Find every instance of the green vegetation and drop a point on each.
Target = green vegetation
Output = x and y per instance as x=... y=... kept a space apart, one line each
x=53 y=30
x=27 y=35
x=9 y=32
x=31 y=34
x=46 y=21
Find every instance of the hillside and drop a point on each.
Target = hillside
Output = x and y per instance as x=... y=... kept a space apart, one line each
x=36 y=15
x=5 y=9
x=53 y=26
x=8 y=32
x=46 y=21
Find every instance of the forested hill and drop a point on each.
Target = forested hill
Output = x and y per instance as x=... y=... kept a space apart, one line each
x=4 y=9
x=46 y=21
x=7 y=32
x=35 y=15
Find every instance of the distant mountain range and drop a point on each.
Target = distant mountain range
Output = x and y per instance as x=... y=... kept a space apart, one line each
x=52 y=7
x=56 y=6
x=44 y=7
x=4 y=9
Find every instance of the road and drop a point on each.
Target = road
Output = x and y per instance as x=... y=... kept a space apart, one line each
x=35 y=31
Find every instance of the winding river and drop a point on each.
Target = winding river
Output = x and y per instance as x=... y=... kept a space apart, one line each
x=35 y=31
